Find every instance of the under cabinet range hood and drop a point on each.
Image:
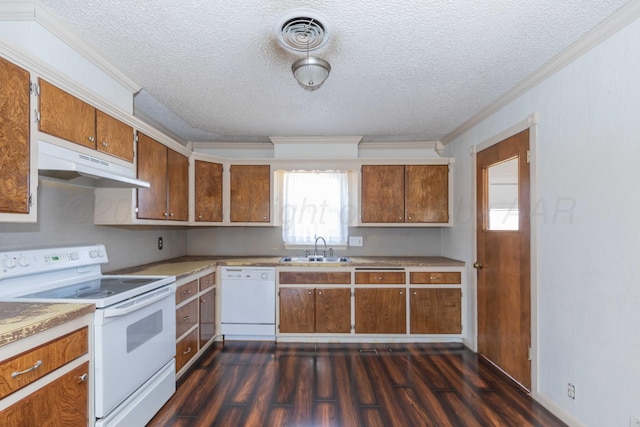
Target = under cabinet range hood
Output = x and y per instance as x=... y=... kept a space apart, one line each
x=64 y=165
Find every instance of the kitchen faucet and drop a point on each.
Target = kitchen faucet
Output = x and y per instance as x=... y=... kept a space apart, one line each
x=315 y=246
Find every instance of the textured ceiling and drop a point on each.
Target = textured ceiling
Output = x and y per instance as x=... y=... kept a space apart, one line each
x=401 y=70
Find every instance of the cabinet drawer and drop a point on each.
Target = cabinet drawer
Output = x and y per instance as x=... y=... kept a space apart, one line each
x=186 y=348
x=63 y=402
x=186 y=291
x=31 y=365
x=315 y=278
x=186 y=317
x=207 y=281
x=376 y=277
x=440 y=277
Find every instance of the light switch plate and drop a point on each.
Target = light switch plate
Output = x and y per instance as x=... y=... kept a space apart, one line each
x=355 y=241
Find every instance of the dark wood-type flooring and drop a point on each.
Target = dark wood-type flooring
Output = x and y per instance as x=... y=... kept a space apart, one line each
x=284 y=384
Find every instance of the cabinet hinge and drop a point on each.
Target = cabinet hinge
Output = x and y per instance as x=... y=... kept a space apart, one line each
x=34 y=88
x=353 y=293
x=135 y=138
x=30 y=199
x=278 y=293
x=528 y=156
x=136 y=210
x=37 y=116
x=529 y=353
x=353 y=327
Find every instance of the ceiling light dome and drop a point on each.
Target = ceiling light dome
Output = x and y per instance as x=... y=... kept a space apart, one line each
x=311 y=72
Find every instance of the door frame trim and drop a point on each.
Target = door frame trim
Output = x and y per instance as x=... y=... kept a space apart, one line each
x=531 y=123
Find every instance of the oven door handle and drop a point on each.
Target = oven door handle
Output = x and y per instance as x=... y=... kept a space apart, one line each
x=137 y=304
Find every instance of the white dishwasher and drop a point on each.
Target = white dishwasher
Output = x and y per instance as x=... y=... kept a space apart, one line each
x=248 y=310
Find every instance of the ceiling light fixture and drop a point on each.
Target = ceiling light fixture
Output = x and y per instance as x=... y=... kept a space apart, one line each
x=311 y=72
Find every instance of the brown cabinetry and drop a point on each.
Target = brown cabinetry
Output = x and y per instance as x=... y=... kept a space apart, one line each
x=207 y=317
x=15 y=192
x=208 y=191
x=168 y=173
x=67 y=117
x=250 y=193
x=435 y=311
x=380 y=311
x=405 y=194
x=315 y=310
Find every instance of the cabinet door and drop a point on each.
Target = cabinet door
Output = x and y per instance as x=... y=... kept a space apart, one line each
x=333 y=310
x=65 y=116
x=435 y=311
x=427 y=193
x=381 y=311
x=382 y=198
x=152 y=167
x=14 y=138
x=208 y=183
x=297 y=310
x=178 y=186
x=207 y=319
x=63 y=402
x=250 y=193
x=114 y=137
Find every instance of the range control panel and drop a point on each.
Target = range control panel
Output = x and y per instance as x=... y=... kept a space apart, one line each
x=33 y=261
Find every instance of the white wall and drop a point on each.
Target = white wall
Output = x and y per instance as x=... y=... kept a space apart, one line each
x=588 y=204
x=65 y=217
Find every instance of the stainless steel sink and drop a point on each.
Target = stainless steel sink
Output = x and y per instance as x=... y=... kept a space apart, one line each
x=315 y=259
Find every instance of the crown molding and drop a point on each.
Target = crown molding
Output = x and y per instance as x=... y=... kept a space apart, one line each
x=616 y=22
x=33 y=10
x=436 y=146
x=203 y=145
x=315 y=139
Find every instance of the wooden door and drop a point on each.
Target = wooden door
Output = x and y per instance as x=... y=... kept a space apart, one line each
x=152 y=167
x=503 y=247
x=178 y=186
x=114 y=137
x=333 y=310
x=381 y=311
x=250 y=193
x=435 y=311
x=297 y=310
x=63 y=402
x=207 y=319
x=426 y=193
x=14 y=139
x=382 y=193
x=65 y=116
x=208 y=190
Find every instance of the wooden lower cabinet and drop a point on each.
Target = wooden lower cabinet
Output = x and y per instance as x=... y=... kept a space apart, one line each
x=186 y=349
x=435 y=311
x=207 y=317
x=381 y=311
x=315 y=310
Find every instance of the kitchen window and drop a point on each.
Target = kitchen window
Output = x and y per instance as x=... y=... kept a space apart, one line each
x=314 y=204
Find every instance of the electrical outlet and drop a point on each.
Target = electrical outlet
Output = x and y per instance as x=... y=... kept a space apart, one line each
x=571 y=391
x=160 y=243
x=355 y=241
x=634 y=421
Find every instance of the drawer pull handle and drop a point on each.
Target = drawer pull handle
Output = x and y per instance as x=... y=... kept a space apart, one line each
x=187 y=351
x=187 y=292
x=186 y=317
x=379 y=278
x=33 y=368
x=434 y=278
x=83 y=377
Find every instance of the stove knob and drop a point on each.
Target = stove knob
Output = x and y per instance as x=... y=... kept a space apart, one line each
x=265 y=276
x=100 y=253
x=75 y=255
x=23 y=261
x=93 y=254
x=9 y=262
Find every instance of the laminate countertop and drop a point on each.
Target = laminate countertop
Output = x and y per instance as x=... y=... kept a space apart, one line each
x=184 y=266
x=21 y=319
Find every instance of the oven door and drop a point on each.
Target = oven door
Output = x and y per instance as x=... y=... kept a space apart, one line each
x=134 y=339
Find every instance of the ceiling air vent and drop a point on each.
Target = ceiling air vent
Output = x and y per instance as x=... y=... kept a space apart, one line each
x=300 y=30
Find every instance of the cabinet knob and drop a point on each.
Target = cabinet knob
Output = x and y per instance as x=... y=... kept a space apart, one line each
x=401 y=293
x=264 y=217
x=83 y=377
x=187 y=351
x=415 y=293
x=199 y=216
x=166 y=214
x=379 y=277
x=399 y=218
x=92 y=139
x=171 y=214
x=105 y=144
x=319 y=292
x=204 y=301
x=309 y=293
x=409 y=218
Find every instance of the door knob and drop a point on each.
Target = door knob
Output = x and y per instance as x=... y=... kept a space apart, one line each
x=477 y=264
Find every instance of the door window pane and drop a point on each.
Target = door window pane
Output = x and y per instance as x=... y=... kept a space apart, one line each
x=503 y=195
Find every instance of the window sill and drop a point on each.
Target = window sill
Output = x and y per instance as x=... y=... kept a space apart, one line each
x=302 y=247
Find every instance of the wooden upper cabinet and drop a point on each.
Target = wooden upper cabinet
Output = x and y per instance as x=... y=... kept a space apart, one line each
x=152 y=167
x=208 y=191
x=250 y=193
x=427 y=193
x=65 y=116
x=382 y=198
x=168 y=173
x=14 y=138
x=114 y=137
x=405 y=194
x=178 y=186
